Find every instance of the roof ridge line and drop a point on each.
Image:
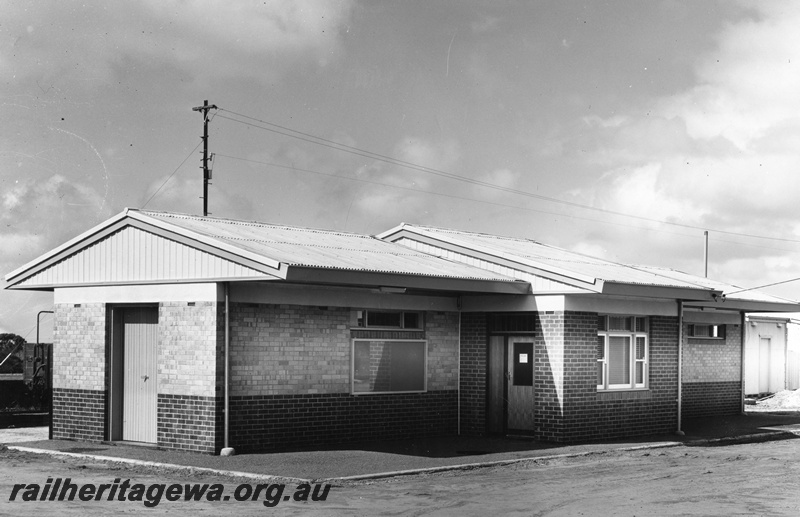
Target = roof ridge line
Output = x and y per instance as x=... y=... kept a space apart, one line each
x=243 y=222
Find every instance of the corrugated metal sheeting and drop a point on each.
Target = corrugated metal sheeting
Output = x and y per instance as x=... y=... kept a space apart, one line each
x=323 y=249
x=549 y=258
x=539 y=284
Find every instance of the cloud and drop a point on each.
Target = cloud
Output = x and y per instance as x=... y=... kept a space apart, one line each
x=32 y=207
x=721 y=154
x=722 y=151
x=92 y=42
x=253 y=29
x=40 y=212
x=184 y=194
x=750 y=83
x=504 y=178
x=438 y=155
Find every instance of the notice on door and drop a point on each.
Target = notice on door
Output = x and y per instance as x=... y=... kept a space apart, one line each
x=523 y=358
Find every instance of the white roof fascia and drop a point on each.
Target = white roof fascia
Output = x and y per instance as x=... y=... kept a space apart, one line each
x=747 y=306
x=504 y=255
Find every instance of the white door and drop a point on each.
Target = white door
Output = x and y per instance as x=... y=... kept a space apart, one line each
x=771 y=368
x=140 y=387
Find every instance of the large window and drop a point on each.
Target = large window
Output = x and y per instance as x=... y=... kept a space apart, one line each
x=389 y=366
x=622 y=351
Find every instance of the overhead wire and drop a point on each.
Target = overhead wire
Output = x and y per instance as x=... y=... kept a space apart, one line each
x=179 y=166
x=493 y=203
x=763 y=286
x=372 y=182
x=292 y=133
x=171 y=175
x=307 y=137
x=451 y=196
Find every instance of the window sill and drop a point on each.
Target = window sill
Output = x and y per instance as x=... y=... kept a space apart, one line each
x=360 y=393
x=625 y=394
x=706 y=340
x=401 y=329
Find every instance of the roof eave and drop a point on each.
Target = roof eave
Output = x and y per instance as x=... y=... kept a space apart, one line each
x=659 y=291
x=748 y=305
x=376 y=279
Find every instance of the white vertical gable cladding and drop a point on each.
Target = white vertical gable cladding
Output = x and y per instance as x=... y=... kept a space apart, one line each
x=538 y=283
x=134 y=255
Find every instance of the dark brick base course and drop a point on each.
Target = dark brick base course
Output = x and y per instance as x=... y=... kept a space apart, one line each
x=79 y=414
x=711 y=399
x=264 y=423
x=190 y=423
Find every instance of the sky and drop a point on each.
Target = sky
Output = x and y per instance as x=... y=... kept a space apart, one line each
x=620 y=129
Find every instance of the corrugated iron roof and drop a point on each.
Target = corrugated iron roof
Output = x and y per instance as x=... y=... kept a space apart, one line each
x=550 y=258
x=736 y=292
x=561 y=261
x=306 y=247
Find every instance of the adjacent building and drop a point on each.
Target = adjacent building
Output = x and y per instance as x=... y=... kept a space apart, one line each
x=772 y=354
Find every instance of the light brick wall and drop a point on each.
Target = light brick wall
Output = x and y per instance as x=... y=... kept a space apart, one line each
x=294 y=350
x=288 y=349
x=548 y=375
x=189 y=349
x=712 y=375
x=79 y=346
x=441 y=331
x=290 y=376
x=713 y=360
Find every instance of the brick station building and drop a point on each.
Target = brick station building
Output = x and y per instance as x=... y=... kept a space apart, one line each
x=199 y=333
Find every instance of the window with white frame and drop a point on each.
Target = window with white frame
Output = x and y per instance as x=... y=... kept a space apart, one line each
x=389 y=366
x=622 y=351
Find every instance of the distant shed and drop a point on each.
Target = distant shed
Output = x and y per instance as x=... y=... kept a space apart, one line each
x=772 y=354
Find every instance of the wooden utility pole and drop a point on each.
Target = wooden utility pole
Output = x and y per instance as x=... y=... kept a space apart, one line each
x=205 y=108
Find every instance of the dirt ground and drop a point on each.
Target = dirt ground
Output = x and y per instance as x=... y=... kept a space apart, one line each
x=749 y=479
x=780 y=401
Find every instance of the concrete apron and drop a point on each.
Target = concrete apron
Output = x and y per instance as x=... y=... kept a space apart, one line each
x=23 y=434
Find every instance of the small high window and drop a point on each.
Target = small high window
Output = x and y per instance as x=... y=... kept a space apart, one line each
x=390 y=319
x=707 y=331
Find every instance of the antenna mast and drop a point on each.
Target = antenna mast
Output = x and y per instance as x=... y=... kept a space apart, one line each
x=205 y=108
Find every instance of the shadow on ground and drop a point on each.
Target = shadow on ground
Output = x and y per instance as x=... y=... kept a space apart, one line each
x=368 y=458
